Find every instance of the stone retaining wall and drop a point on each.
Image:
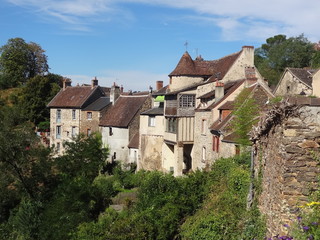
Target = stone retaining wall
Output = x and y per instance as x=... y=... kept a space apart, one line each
x=286 y=144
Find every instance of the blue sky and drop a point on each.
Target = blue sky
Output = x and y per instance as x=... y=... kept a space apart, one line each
x=137 y=42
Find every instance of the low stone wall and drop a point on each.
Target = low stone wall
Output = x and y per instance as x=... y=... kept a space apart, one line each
x=286 y=144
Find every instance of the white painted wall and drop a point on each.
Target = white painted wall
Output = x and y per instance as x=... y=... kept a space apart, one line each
x=117 y=143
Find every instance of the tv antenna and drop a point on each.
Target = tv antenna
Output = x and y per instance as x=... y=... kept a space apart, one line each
x=186 y=45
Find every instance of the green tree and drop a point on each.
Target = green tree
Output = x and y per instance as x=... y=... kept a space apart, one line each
x=245 y=116
x=20 y=61
x=37 y=93
x=280 y=52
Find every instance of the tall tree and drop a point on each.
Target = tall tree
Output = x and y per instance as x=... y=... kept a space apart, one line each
x=37 y=93
x=20 y=61
x=280 y=52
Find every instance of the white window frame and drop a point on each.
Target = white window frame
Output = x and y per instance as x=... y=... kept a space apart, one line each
x=152 y=121
x=187 y=101
x=73 y=131
x=58 y=116
x=58 y=132
x=74 y=116
x=89 y=115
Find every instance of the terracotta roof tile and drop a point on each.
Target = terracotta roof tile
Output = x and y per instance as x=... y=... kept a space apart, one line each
x=123 y=111
x=199 y=67
x=73 y=97
x=229 y=105
x=232 y=86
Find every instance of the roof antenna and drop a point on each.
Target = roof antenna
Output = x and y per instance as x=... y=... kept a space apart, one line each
x=186 y=45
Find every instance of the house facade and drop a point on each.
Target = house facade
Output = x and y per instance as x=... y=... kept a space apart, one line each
x=295 y=81
x=67 y=115
x=189 y=110
x=120 y=125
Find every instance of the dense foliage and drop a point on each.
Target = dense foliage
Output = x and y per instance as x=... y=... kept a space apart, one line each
x=20 y=61
x=280 y=52
x=45 y=197
x=245 y=115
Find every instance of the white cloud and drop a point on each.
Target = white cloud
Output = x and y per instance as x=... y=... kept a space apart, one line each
x=130 y=80
x=247 y=18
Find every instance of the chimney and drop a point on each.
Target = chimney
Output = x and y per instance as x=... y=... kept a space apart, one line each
x=114 y=93
x=94 y=82
x=159 y=85
x=248 y=55
x=219 y=91
x=250 y=75
x=66 y=83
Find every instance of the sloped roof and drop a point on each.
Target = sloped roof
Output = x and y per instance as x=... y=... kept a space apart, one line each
x=154 y=111
x=134 y=142
x=231 y=138
x=199 y=67
x=229 y=105
x=98 y=105
x=123 y=111
x=161 y=91
x=219 y=125
x=228 y=91
x=304 y=75
x=73 y=97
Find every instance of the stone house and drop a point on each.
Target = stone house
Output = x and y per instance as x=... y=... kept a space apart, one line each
x=151 y=132
x=120 y=125
x=286 y=159
x=75 y=110
x=296 y=81
x=188 y=145
x=224 y=139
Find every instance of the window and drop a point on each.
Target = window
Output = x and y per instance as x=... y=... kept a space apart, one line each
x=215 y=143
x=58 y=115
x=58 y=132
x=204 y=153
x=89 y=115
x=187 y=101
x=110 y=131
x=171 y=125
x=88 y=132
x=73 y=114
x=152 y=121
x=204 y=126
x=73 y=131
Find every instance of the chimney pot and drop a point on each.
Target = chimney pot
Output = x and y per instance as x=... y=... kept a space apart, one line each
x=66 y=83
x=94 y=82
x=159 y=85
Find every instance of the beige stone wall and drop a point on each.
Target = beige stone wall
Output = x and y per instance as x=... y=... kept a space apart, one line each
x=290 y=85
x=150 y=152
x=316 y=84
x=92 y=124
x=66 y=123
x=285 y=157
x=178 y=82
x=237 y=71
x=202 y=140
x=151 y=141
x=168 y=157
